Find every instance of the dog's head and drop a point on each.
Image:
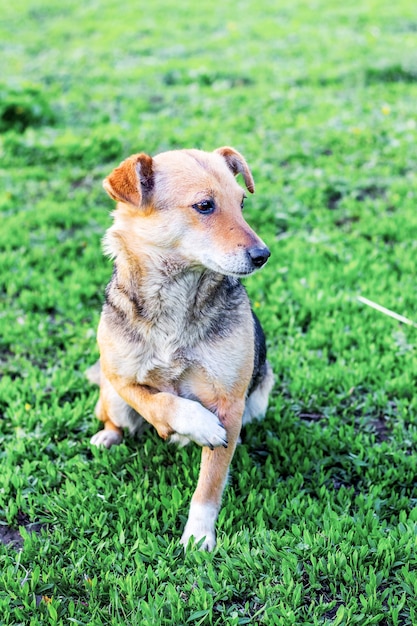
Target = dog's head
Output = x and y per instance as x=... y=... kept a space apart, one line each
x=186 y=206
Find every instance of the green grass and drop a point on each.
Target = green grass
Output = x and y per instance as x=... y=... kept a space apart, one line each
x=319 y=522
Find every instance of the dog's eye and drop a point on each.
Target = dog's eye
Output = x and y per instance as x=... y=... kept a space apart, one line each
x=242 y=204
x=206 y=207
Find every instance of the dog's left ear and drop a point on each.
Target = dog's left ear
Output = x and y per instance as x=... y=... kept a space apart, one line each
x=132 y=182
x=237 y=165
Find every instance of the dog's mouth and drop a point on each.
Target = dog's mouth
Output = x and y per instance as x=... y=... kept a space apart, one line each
x=253 y=259
x=241 y=274
x=235 y=272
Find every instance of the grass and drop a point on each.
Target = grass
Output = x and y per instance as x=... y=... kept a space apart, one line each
x=319 y=522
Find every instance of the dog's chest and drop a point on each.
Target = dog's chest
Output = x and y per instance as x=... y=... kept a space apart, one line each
x=160 y=364
x=168 y=329
x=167 y=345
x=173 y=363
x=164 y=352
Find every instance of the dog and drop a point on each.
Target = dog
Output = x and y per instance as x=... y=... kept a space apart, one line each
x=179 y=344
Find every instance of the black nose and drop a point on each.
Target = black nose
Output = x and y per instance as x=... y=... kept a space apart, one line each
x=259 y=256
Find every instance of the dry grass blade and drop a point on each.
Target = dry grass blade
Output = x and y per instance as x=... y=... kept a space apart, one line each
x=386 y=311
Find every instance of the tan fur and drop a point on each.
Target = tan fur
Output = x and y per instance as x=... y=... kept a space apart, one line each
x=176 y=336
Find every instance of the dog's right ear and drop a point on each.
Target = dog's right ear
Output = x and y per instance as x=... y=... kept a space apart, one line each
x=132 y=182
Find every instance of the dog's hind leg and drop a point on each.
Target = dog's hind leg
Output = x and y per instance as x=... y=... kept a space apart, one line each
x=115 y=414
x=257 y=400
x=111 y=434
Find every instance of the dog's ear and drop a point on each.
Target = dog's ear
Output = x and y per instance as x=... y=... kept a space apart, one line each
x=237 y=165
x=132 y=182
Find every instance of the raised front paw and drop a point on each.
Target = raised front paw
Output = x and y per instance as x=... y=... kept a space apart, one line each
x=199 y=425
x=209 y=433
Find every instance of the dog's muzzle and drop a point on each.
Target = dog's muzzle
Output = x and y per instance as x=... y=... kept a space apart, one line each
x=258 y=256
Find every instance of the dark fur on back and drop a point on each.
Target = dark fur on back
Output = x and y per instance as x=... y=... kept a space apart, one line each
x=259 y=365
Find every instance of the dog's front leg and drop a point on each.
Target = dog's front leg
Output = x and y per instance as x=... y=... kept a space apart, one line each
x=168 y=413
x=206 y=501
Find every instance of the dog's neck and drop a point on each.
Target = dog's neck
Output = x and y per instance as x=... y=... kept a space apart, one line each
x=164 y=287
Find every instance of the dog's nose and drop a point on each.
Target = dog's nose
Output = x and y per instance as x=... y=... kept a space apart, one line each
x=259 y=256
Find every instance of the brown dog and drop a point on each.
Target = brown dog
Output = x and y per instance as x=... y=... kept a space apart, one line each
x=179 y=345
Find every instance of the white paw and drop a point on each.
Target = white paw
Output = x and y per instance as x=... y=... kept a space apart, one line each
x=199 y=425
x=200 y=526
x=106 y=438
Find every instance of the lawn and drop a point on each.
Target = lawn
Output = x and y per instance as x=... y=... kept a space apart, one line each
x=319 y=520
